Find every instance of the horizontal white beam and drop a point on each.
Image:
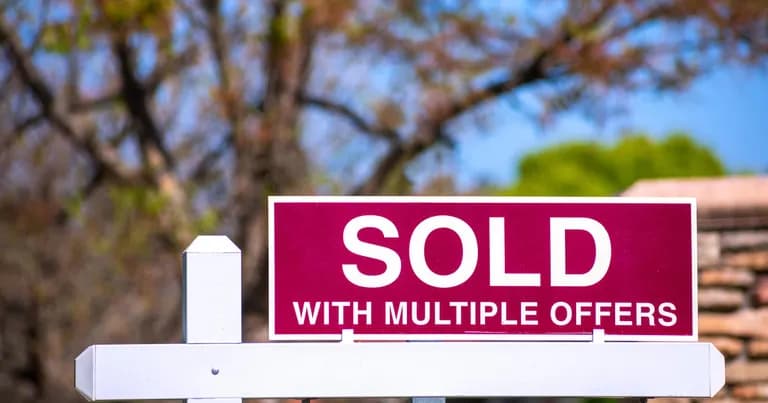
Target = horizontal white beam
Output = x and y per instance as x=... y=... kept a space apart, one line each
x=346 y=370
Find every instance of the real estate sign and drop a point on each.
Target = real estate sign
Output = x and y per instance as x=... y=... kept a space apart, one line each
x=482 y=268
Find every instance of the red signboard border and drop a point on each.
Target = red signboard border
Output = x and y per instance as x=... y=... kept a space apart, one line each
x=272 y=200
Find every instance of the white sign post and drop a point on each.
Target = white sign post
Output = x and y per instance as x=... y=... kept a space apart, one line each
x=211 y=300
x=214 y=364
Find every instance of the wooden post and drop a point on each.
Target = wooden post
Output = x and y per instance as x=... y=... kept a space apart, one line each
x=211 y=296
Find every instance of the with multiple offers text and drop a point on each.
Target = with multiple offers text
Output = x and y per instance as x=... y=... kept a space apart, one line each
x=483 y=313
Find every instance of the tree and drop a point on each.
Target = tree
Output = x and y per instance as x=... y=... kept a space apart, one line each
x=589 y=168
x=130 y=125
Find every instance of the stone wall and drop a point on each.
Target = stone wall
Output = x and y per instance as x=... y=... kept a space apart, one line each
x=733 y=275
x=733 y=306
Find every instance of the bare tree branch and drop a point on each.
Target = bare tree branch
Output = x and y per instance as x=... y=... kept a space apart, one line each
x=136 y=98
x=18 y=130
x=28 y=123
x=170 y=67
x=395 y=159
x=231 y=100
x=309 y=34
x=532 y=71
x=203 y=167
x=161 y=72
x=102 y=155
x=98 y=102
x=353 y=117
x=432 y=128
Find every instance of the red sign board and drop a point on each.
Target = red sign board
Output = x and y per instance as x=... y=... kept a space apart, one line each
x=482 y=268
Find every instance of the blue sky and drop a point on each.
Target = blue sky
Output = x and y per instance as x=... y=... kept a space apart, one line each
x=726 y=110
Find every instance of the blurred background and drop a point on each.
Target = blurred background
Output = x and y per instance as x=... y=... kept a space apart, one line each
x=129 y=126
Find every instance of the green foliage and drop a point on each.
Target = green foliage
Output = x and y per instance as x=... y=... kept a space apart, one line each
x=129 y=200
x=136 y=211
x=55 y=38
x=64 y=37
x=138 y=14
x=73 y=206
x=590 y=168
x=207 y=222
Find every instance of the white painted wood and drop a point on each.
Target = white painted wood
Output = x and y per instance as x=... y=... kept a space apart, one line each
x=211 y=291
x=451 y=369
x=211 y=300
x=84 y=373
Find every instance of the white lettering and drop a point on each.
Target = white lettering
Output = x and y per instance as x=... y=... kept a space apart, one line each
x=622 y=310
x=553 y=313
x=306 y=311
x=357 y=312
x=487 y=310
x=602 y=309
x=504 y=320
x=496 y=249
x=557 y=228
x=353 y=243
x=340 y=305
x=468 y=257
x=528 y=316
x=415 y=314
x=438 y=319
x=396 y=318
x=582 y=310
x=458 y=306
x=644 y=310
x=667 y=311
